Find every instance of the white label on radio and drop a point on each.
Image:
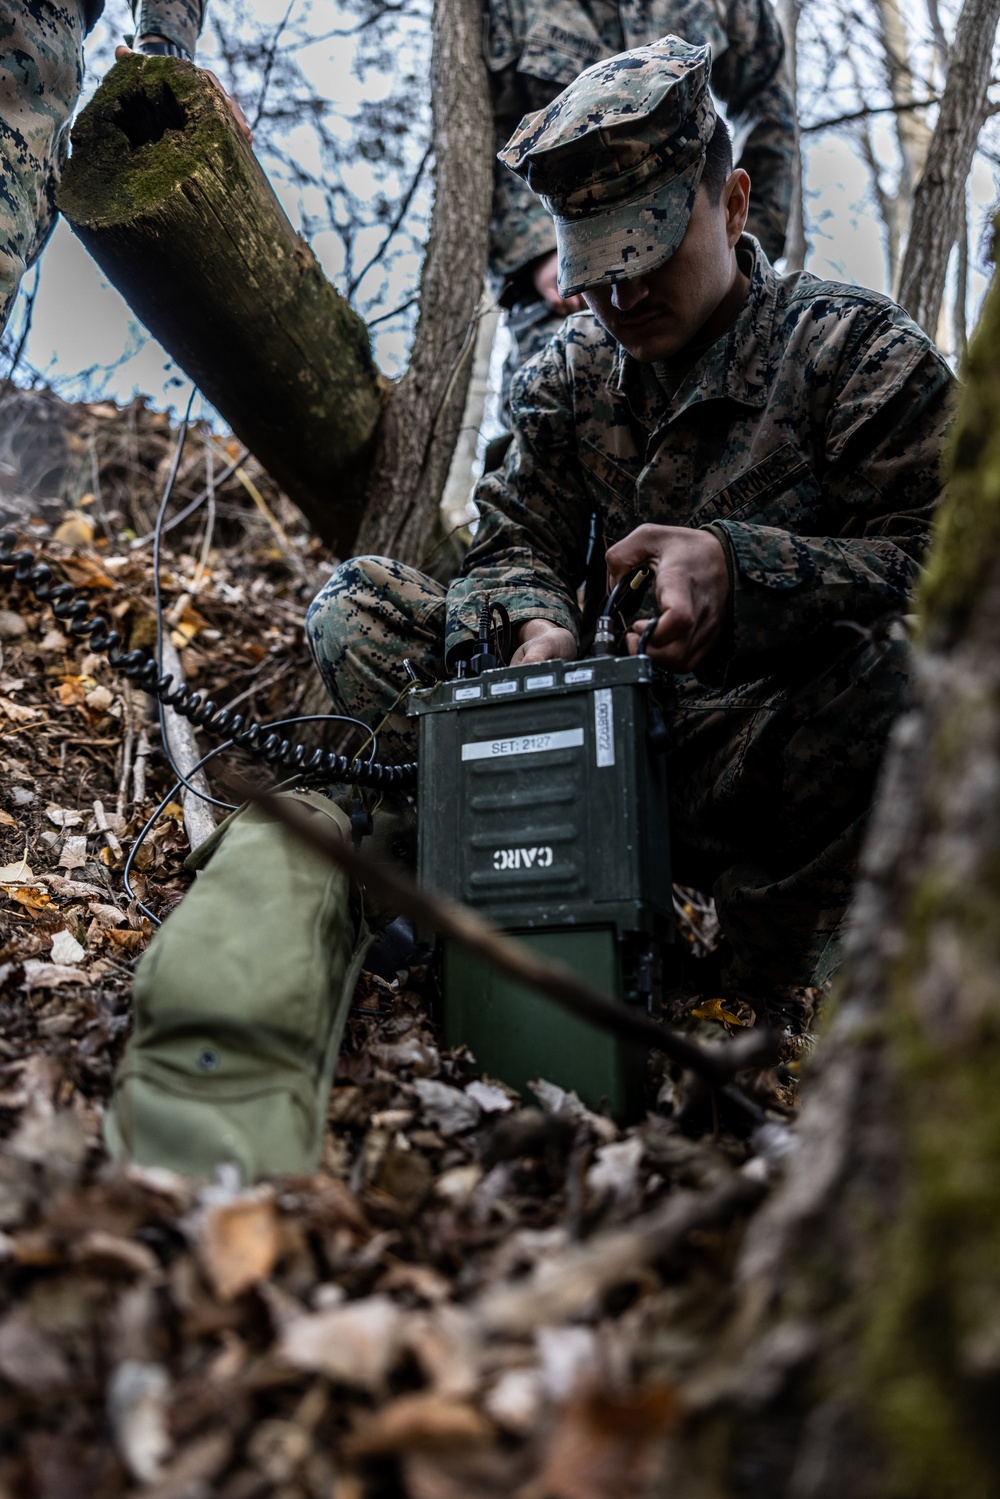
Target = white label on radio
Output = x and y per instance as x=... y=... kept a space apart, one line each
x=582 y=674
x=604 y=727
x=523 y=744
x=463 y=694
x=532 y=682
x=497 y=689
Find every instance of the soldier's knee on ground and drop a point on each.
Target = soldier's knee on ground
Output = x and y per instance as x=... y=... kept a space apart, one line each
x=371 y=617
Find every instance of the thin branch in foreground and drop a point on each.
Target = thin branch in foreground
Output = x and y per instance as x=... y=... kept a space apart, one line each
x=716 y=1064
x=394 y=226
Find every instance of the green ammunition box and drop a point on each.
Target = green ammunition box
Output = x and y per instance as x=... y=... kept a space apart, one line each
x=543 y=804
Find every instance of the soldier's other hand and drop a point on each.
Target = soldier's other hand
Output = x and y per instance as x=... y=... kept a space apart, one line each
x=545 y=275
x=541 y=640
x=691 y=585
x=238 y=114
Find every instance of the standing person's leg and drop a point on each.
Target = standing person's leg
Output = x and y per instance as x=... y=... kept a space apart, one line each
x=176 y=21
x=41 y=72
x=372 y=615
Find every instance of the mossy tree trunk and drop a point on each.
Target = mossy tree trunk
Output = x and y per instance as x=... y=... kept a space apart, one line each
x=864 y=1358
x=171 y=202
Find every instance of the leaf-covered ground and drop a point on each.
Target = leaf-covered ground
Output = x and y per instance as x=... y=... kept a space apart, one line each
x=477 y=1294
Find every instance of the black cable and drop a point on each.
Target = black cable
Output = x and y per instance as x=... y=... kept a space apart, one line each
x=643 y=647
x=493 y=646
x=257 y=739
x=175 y=788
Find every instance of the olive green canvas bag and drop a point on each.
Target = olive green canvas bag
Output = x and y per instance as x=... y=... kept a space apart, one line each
x=240 y=1003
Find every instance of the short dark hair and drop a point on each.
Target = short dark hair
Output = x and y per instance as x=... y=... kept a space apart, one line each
x=718 y=160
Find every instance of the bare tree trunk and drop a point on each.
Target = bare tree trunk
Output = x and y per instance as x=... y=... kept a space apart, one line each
x=796 y=245
x=171 y=202
x=960 y=307
x=941 y=190
x=421 y=423
x=864 y=1356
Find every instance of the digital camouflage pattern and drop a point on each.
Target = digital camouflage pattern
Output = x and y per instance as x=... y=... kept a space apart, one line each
x=617 y=160
x=808 y=439
x=41 y=72
x=177 y=20
x=534 y=48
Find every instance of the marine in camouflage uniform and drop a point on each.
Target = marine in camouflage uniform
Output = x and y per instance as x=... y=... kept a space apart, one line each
x=534 y=48
x=806 y=439
x=41 y=73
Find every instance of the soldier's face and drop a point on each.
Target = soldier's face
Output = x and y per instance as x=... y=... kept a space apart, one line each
x=695 y=295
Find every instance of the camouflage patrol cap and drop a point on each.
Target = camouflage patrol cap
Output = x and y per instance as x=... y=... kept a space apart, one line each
x=617 y=159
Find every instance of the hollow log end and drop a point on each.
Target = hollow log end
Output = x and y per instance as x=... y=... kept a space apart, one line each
x=142 y=134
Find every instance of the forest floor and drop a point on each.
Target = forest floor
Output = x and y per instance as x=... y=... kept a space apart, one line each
x=477 y=1294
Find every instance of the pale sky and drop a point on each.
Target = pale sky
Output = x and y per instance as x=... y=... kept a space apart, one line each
x=80 y=323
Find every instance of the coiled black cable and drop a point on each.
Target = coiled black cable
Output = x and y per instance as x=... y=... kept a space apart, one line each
x=259 y=740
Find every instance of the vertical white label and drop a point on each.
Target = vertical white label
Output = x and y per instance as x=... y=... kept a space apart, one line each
x=604 y=727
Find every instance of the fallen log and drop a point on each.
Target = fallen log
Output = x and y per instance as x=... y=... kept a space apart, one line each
x=169 y=199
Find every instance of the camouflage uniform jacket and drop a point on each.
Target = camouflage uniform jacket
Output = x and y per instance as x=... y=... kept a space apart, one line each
x=534 y=48
x=808 y=439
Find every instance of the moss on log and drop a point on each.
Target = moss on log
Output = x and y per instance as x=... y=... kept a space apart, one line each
x=169 y=199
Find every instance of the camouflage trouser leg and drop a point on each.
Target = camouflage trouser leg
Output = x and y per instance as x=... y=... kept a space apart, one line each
x=41 y=70
x=370 y=616
x=177 y=20
x=770 y=784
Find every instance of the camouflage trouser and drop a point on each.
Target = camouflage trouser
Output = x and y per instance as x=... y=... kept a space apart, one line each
x=177 y=20
x=770 y=783
x=41 y=71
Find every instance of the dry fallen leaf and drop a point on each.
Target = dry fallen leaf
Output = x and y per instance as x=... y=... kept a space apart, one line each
x=74 y=531
x=423 y=1420
x=74 y=852
x=356 y=1344
x=17 y=873
x=63 y=817
x=716 y=1009
x=447 y=1109
x=604 y=1446
x=137 y=1409
x=29 y=1358
x=6 y=820
x=107 y=916
x=100 y=700
x=66 y=949
x=71 y=692
x=32 y=897
x=490 y=1098
x=38 y=975
x=239 y=1240
x=84 y=573
x=18 y=714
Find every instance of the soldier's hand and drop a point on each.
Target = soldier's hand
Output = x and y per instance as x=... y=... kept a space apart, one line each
x=545 y=275
x=238 y=114
x=541 y=640
x=691 y=585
